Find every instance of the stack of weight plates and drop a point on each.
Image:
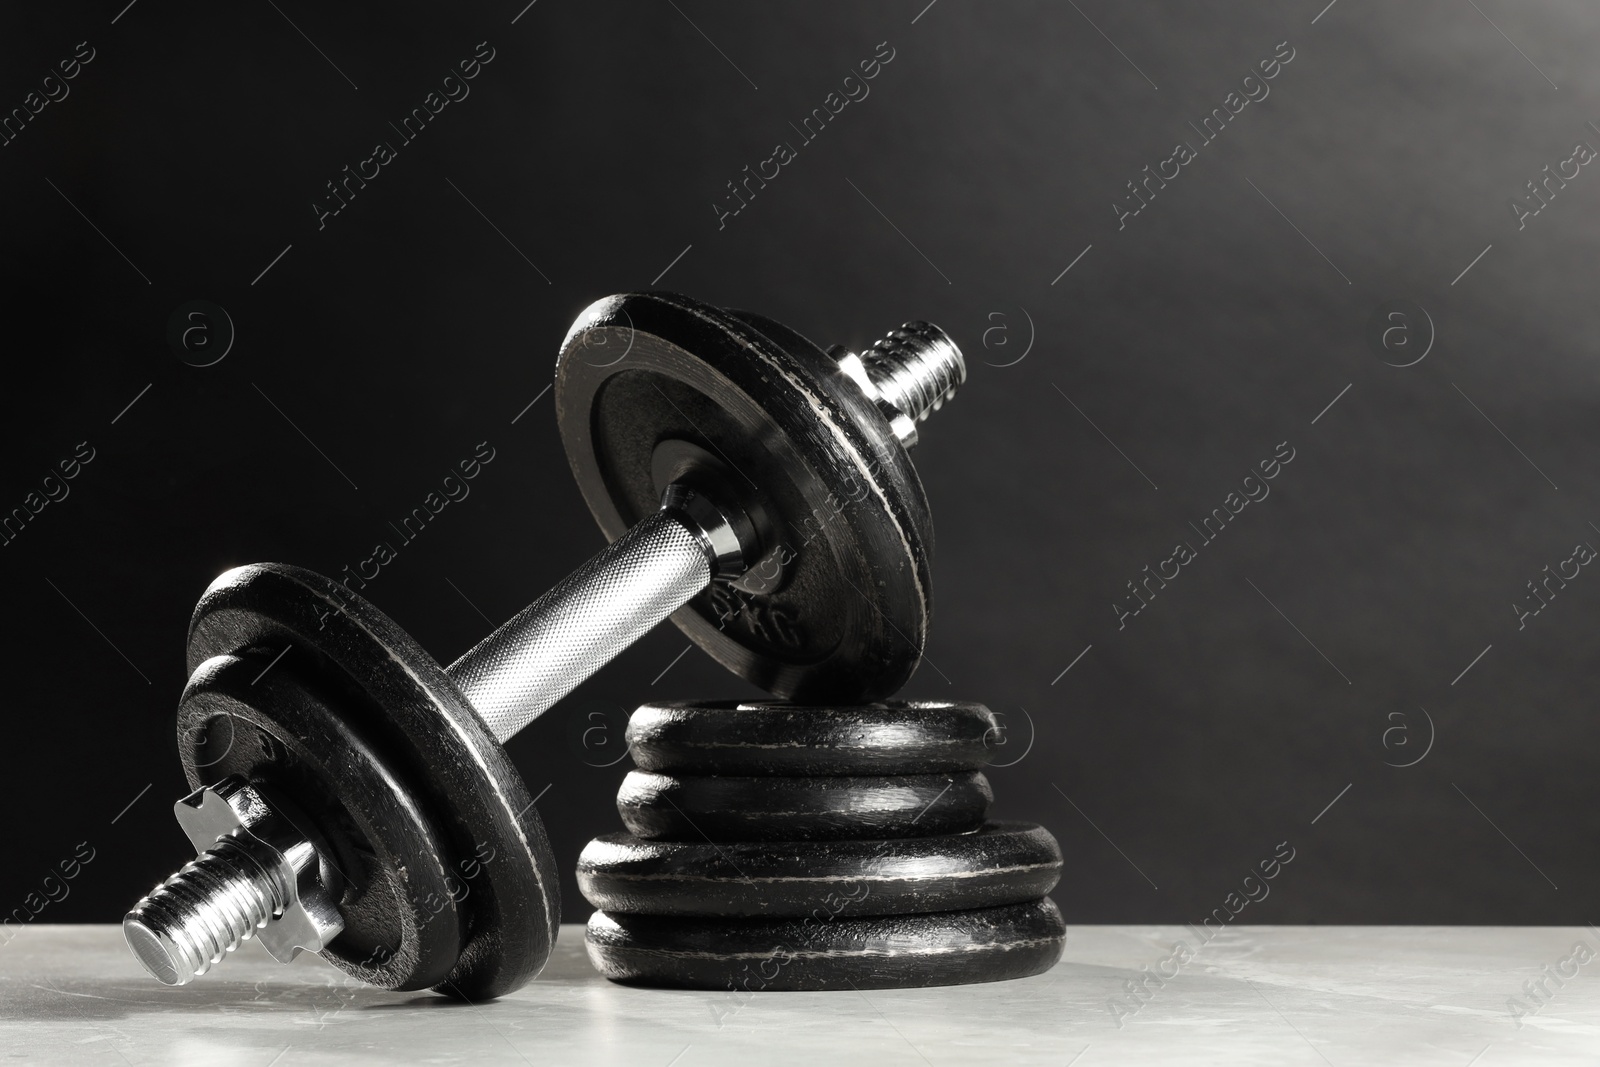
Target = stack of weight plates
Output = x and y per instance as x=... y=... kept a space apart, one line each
x=777 y=846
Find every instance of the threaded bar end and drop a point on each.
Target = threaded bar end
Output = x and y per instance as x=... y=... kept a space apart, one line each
x=203 y=912
x=916 y=368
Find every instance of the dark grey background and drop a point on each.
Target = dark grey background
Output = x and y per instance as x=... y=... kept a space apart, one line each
x=985 y=160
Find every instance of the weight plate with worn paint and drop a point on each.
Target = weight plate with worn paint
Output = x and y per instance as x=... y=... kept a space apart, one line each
x=651 y=386
x=887 y=952
x=660 y=807
x=244 y=715
x=761 y=737
x=434 y=744
x=1003 y=863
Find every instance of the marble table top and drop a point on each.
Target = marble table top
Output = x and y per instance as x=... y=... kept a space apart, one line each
x=1457 y=996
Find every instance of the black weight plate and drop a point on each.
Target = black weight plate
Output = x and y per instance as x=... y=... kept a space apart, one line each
x=434 y=742
x=1003 y=863
x=826 y=479
x=249 y=717
x=745 y=737
x=890 y=952
x=660 y=807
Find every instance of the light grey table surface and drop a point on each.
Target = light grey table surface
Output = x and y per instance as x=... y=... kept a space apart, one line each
x=1253 y=995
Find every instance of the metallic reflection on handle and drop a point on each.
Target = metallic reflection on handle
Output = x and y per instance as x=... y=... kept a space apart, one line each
x=516 y=673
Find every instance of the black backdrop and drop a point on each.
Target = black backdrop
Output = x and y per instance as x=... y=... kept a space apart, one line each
x=1361 y=616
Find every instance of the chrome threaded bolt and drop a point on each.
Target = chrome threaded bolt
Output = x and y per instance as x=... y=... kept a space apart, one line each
x=206 y=910
x=909 y=374
x=255 y=872
x=916 y=368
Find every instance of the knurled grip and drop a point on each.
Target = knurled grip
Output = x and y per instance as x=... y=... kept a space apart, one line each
x=516 y=673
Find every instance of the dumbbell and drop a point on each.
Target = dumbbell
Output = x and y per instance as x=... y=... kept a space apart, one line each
x=351 y=796
x=782 y=846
